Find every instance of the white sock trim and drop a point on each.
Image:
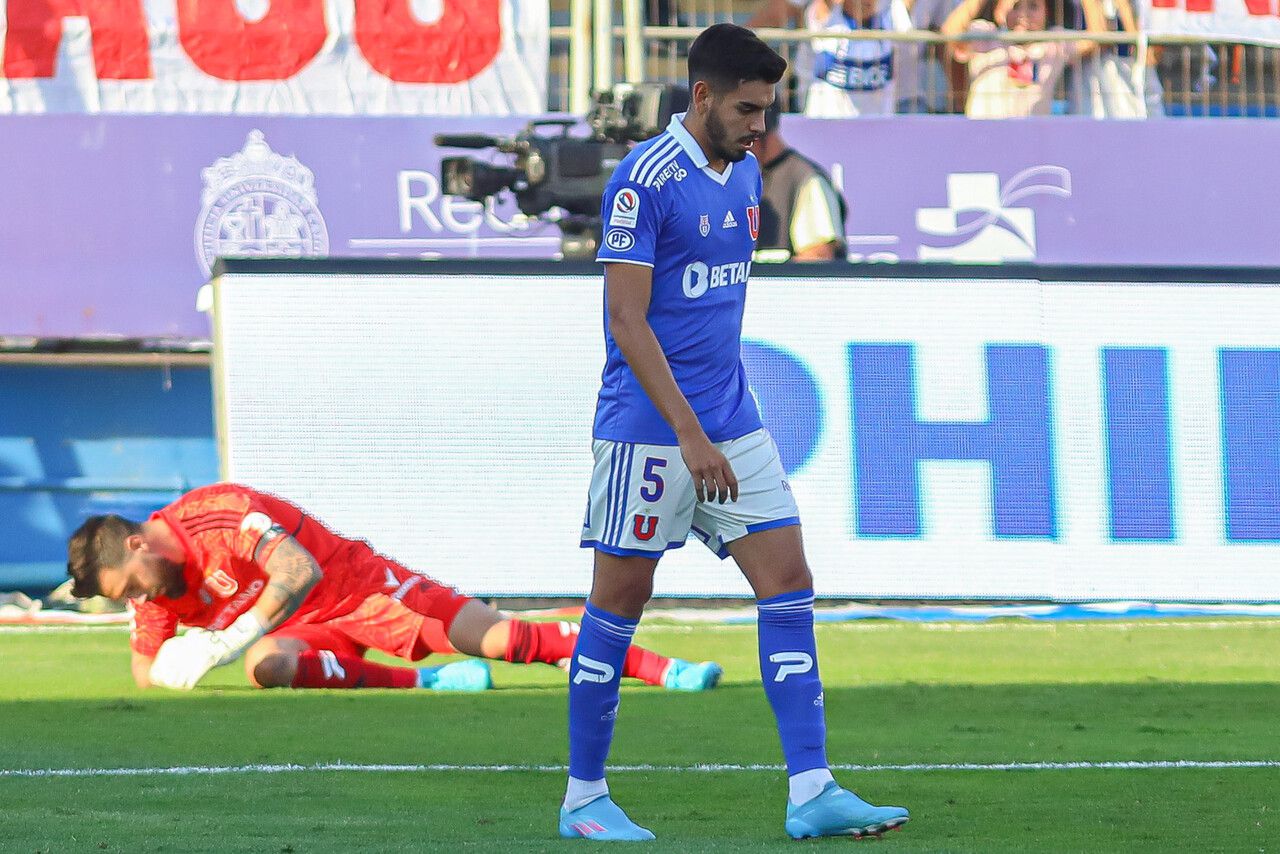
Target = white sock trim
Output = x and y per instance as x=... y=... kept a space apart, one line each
x=807 y=785
x=582 y=792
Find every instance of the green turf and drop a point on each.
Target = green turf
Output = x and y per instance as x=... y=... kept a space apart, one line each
x=895 y=694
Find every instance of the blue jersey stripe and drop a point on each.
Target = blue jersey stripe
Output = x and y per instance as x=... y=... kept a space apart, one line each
x=655 y=166
x=656 y=150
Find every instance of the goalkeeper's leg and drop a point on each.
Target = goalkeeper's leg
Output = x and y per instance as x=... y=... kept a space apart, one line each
x=329 y=659
x=479 y=629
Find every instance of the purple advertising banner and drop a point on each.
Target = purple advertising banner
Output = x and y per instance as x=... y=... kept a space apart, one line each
x=109 y=223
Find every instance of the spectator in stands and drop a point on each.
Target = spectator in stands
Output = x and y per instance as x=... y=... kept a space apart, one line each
x=937 y=81
x=1009 y=80
x=842 y=78
x=1112 y=83
x=802 y=214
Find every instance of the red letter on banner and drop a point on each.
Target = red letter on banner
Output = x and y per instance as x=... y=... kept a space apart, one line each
x=1259 y=7
x=1199 y=5
x=455 y=48
x=226 y=46
x=121 y=50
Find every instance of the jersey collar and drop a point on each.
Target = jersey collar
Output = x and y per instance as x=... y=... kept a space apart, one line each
x=690 y=145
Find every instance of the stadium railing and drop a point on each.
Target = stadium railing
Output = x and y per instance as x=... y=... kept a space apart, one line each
x=1197 y=76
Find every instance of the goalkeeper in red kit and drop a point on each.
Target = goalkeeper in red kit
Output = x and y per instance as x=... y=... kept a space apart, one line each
x=256 y=576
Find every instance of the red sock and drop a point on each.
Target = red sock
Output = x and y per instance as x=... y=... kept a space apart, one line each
x=322 y=668
x=552 y=643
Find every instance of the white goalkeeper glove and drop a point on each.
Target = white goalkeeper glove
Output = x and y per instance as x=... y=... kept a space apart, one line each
x=184 y=660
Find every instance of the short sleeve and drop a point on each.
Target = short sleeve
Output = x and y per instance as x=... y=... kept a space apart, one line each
x=257 y=537
x=151 y=627
x=631 y=219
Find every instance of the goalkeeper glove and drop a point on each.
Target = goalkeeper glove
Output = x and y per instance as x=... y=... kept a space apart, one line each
x=183 y=661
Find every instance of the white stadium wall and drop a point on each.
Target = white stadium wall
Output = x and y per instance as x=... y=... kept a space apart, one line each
x=1048 y=435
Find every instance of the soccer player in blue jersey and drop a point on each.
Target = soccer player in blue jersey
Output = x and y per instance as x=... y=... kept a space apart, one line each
x=679 y=445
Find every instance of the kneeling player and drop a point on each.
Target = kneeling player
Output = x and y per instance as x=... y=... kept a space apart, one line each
x=259 y=577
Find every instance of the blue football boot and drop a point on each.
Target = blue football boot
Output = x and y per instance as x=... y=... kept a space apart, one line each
x=839 y=812
x=470 y=675
x=601 y=821
x=684 y=675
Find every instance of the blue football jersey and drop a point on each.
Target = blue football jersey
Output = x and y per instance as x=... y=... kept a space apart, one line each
x=665 y=208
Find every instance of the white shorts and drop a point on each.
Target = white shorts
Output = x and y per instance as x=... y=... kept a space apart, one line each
x=642 y=500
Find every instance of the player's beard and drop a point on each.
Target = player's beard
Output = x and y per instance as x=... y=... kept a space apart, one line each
x=175 y=584
x=723 y=146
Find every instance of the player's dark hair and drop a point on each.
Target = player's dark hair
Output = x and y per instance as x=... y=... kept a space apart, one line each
x=725 y=55
x=97 y=543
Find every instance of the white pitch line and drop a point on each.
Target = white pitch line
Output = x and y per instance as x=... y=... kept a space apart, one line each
x=209 y=770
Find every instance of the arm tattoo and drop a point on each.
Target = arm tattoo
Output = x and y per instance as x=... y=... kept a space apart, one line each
x=292 y=572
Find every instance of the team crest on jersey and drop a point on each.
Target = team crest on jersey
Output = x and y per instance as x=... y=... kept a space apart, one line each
x=753 y=221
x=704 y=224
x=220 y=583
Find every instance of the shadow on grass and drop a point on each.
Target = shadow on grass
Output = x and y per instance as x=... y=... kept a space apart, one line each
x=732 y=725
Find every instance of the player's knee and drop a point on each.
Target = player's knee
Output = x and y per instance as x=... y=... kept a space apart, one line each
x=798 y=577
x=625 y=597
x=786 y=578
x=274 y=670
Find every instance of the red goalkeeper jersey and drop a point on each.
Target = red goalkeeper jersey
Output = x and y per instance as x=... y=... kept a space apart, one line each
x=221 y=528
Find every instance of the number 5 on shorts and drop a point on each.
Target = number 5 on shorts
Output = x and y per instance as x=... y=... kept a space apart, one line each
x=653 y=483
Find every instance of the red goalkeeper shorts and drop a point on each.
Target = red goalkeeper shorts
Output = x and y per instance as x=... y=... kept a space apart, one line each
x=409 y=619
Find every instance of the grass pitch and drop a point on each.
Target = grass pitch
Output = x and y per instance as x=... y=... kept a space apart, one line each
x=896 y=695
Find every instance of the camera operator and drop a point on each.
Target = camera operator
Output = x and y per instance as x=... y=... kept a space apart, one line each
x=802 y=214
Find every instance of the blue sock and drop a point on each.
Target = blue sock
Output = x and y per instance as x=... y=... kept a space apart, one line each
x=789 y=667
x=594 y=674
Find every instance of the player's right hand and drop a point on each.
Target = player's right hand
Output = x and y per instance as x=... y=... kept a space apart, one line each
x=713 y=477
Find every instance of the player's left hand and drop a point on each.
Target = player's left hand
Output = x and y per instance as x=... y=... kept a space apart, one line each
x=183 y=661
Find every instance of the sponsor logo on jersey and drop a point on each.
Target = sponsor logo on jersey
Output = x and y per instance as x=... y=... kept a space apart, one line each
x=699 y=278
x=704 y=224
x=753 y=220
x=729 y=221
x=672 y=172
x=626 y=208
x=236 y=605
x=619 y=240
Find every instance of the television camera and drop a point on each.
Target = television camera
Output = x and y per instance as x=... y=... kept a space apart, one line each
x=558 y=176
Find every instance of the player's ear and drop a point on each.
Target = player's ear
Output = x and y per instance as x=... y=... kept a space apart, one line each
x=135 y=543
x=701 y=96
